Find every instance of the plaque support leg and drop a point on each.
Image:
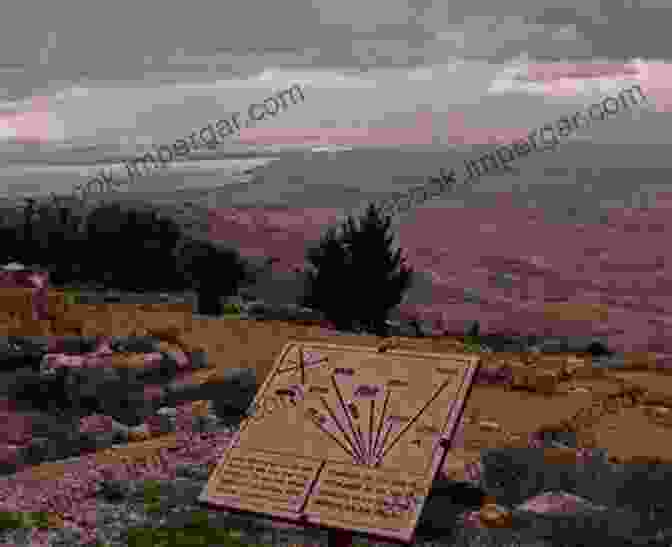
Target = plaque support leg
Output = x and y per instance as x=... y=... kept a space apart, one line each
x=340 y=538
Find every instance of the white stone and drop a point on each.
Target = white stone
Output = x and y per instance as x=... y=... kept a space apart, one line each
x=167 y=411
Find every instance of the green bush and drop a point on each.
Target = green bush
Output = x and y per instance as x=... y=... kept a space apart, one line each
x=151 y=495
x=132 y=248
x=472 y=340
x=231 y=308
x=10 y=520
x=71 y=296
x=213 y=272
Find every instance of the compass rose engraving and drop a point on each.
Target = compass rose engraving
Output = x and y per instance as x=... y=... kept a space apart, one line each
x=367 y=447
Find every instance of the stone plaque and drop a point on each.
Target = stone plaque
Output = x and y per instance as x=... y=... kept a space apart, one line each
x=345 y=437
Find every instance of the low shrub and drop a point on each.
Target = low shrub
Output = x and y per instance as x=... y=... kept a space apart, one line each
x=231 y=308
x=199 y=531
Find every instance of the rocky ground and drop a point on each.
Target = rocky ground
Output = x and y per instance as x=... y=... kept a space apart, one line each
x=456 y=514
x=562 y=442
x=53 y=412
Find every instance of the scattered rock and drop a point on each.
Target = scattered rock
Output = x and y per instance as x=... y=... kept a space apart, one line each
x=472 y=519
x=167 y=411
x=502 y=343
x=73 y=345
x=594 y=526
x=130 y=408
x=161 y=424
x=201 y=408
x=425 y=328
x=556 y=502
x=135 y=344
x=512 y=475
x=171 y=334
x=121 y=431
x=198 y=359
x=192 y=471
x=97 y=441
x=613 y=361
x=49 y=425
x=489 y=425
x=535 y=379
x=555 y=437
x=504 y=280
x=176 y=493
x=401 y=328
x=55 y=520
x=500 y=374
x=280 y=312
x=205 y=424
x=28 y=387
x=572 y=344
x=231 y=388
x=139 y=433
x=36 y=452
x=160 y=371
x=66 y=536
x=598 y=349
x=457 y=493
x=495 y=516
x=472 y=296
x=38 y=344
x=14 y=355
x=114 y=490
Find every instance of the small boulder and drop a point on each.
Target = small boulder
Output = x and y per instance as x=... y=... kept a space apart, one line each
x=14 y=356
x=139 y=433
x=401 y=328
x=556 y=502
x=38 y=344
x=503 y=343
x=572 y=344
x=115 y=490
x=73 y=345
x=128 y=407
x=36 y=452
x=167 y=411
x=232 y=387
x=98 y=441
x=171 y=334
x=198 y=359
x=199 y=472
x=161 y=424
x=159 y=371
x=492 y=515
x=205 y=424
x=121 y=431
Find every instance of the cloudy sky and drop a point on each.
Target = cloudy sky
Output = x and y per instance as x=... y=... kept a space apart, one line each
x=115 y=77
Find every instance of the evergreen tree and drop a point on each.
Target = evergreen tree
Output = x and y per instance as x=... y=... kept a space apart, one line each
x=357 y=278
x=328 y=284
